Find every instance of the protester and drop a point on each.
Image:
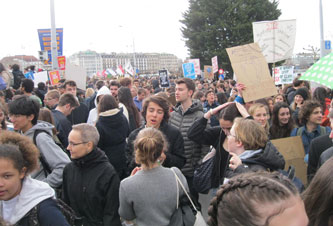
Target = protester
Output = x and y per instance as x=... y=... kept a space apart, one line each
x=320 y=94
x=90 y=183
x=257 y=199
x=113 y=129
x=139 y=98
x=318 y=197
x=18 y=76
x=93 y=115
x=125 y=97
x=185 y=113
x=149 y=195
x=282 y=122
x=27 y=87
x=23 y=199
x=217 y=136
x=90 y=100
x=260 y=114
x=23 y=113
x=210 y=103
x=278 y=98
x=155 y=111
x=310 y=116
x=251 y=150
x=51 y=99
x=301 y=95
x=66 y=105
x=3 y=116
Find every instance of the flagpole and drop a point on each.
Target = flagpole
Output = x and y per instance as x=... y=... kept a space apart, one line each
x=321 y=29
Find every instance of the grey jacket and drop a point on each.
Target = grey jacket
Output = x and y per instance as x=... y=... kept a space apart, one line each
x=55 y=157
x=326 y=155
x=194 y=152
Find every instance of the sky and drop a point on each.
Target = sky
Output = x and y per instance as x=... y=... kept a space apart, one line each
x=127 y=25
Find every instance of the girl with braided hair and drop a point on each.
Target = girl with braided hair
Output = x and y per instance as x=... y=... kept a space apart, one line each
x=252 y=199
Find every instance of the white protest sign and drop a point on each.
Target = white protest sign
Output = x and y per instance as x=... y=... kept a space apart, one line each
x=215 y=64
x=196 y=63
x=78 y=74
x=275 y=38
x=40 y=77
x=283 y=75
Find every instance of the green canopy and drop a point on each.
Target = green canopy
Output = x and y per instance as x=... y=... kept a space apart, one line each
x=321 y=72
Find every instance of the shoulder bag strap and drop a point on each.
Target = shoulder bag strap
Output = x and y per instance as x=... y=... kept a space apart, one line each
x=179 y=181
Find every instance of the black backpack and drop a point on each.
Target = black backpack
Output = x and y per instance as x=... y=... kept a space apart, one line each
x=66 y=210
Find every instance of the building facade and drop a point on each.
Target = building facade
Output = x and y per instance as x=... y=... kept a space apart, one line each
x=146 y=63
x=91 y=61
x=22 y=60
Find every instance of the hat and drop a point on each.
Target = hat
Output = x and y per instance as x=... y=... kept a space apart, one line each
x=303 y=92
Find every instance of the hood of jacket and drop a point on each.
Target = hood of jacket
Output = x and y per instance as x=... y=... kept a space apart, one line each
x=269 y=157
x=32 y=193
x=196 y=106
x=110 y=112
x=102 y=91
x=95 y=157
x=40 y=125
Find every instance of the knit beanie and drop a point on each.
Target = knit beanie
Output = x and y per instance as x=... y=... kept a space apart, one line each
x=303 y=92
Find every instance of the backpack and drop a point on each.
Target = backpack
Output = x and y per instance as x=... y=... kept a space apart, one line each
x=65 y=209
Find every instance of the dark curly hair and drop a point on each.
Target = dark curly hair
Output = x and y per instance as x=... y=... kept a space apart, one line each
x=307 y=109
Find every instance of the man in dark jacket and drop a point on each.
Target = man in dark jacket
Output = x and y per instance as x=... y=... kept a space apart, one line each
x=90 y=183
x=185 y=113
x=18 y=76
x=81 y=113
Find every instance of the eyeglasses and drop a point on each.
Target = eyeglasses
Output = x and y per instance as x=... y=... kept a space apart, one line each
x=75 y=144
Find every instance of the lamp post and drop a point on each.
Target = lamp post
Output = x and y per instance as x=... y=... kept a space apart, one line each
x=321 y=29
x=54 y=51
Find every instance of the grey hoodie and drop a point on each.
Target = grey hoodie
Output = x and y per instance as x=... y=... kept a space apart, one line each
x=55 y=157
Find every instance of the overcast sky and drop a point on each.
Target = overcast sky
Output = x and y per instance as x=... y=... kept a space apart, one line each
x=112 y=25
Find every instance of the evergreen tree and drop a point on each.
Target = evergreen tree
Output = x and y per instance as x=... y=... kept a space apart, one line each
x=211 y=26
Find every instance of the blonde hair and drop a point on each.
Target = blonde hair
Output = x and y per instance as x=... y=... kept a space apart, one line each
x=252 y=135
x=257 y=106
x=89 y=92
x=148 y=146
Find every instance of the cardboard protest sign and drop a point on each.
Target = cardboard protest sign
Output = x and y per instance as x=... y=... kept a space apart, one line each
x=292 y=150
x=215 y=64
x=283 y=75
x=164 y=78
x=189 y=71
x=54 y=77
x=62 y=62
x=208 y=72
x=40 y=77
x=78 y=74
x=196 y=63
x=252 y=70
x=275 y=38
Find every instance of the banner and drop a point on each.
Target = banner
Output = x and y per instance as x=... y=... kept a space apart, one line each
x=78 y=74
x=275 y=38
x=129 y=69
x=62 y=62
x=252 y=70
x=45 y=42
x=54 y=77
x=196 y=63
x=188 y=70
x=208 y=72
x=283 y=75
x=40 y=77
x=164 y=78
x=120 y=70
x=215 y=64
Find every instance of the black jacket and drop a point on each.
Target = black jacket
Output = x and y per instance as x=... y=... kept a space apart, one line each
x=326 y=155
x=317 y=146
x=211 y=136
x=91 y=188
x=174 y=155
x=18 y=76
x=268 y=159
x=79 y=114
x=113 y=129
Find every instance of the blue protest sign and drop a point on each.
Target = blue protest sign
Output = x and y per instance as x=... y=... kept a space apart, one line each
x=189 y=71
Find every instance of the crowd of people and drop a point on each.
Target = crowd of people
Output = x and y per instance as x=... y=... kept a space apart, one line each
x=113 y=152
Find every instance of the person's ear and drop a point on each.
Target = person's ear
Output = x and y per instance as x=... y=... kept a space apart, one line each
x=23 y=172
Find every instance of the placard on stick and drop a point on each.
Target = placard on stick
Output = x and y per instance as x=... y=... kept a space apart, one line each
x=251 y=69
x=208 y=72
x=292 y=150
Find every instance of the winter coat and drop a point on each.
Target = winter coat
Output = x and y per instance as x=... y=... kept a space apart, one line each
x=268 y=158
x=193 y=151
x=92 y=118
x=79 y=114
x=35 y=193
x=91 y=188
x=55 y=157
x=213 y=120
x=113 y=129
x=18 y=77
x=63 y=126
x=174 y=154
x=214 y=136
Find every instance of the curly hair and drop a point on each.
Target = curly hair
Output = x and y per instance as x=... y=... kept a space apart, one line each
x=160 y=101
x=242 y=199
x=307 y=109
x=27 y=150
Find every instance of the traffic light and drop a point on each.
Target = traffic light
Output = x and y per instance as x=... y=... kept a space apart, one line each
x=43 y=56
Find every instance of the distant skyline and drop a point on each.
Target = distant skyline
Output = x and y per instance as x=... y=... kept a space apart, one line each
x=111 y=26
